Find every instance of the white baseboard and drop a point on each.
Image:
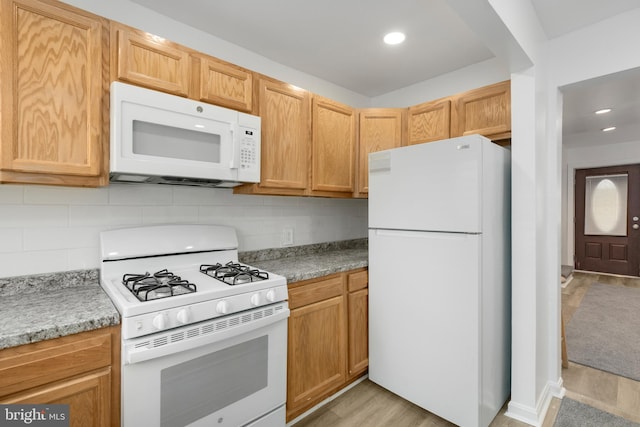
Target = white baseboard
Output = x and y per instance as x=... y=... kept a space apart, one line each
x=535 y=415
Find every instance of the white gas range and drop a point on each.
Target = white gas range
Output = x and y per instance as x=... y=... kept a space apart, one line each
x=203 y=336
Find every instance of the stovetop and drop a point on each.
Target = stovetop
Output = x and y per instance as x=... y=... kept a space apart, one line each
x=233 y=273
x=161 y=277
x=164 y=283
x=161 y=284
x=180 y=285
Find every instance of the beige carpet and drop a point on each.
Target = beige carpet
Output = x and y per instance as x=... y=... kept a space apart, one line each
x=604 y=332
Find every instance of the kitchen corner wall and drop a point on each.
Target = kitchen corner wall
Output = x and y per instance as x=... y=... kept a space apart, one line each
x=48 y=229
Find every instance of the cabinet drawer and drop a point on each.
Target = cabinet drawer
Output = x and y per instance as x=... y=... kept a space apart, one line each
x=308 y=292
x=357 y=280
x=43 y=362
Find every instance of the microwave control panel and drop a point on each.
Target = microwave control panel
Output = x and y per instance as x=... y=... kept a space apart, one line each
x=249 y=155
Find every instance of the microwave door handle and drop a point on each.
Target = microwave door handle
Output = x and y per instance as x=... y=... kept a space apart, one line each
x=235 y=147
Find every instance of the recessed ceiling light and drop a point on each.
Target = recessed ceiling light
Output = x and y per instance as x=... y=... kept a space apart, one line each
x=604 y=111
x=609 y=129
x=394 y=38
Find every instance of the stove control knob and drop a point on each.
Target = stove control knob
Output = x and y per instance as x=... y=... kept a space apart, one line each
x=159 y=322
x=255 y=300
x=183 y=316
x=271 y=295
x=223 y=307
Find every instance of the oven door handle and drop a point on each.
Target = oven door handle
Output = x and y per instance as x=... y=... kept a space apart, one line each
x=147 y=348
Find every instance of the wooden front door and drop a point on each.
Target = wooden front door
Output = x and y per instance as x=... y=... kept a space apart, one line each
x=607 y=233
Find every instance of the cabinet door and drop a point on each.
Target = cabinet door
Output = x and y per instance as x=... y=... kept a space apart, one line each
x=358 y=320
x=379 y=129
x=54 y=94
x=333 y=145
x=316 y=355
x=147 y=60
x=358 y=303
x=486 y=111
x=88 y=397
x=430 y=121
x=225 y=84
x=286 y=137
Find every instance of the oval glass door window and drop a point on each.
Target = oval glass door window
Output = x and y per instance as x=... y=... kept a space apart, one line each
x=606 y=205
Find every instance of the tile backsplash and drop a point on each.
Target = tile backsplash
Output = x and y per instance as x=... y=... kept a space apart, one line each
x=48 y=229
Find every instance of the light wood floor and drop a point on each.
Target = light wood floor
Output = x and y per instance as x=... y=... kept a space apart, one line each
x=369 y=405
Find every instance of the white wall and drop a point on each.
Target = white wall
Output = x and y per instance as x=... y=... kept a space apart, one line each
x=47 y=229
x=600 y=49
x=467 y=78
x=587 y=157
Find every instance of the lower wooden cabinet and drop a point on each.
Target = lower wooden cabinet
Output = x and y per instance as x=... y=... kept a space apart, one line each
x=358 y=321
x=327 y=343
x=81 y=370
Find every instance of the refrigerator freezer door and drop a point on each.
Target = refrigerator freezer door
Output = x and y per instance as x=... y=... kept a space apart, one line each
x=435 y=186
x=424 y=328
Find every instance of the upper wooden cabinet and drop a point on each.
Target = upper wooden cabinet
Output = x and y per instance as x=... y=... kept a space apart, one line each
x=485 y=111
x=286 y=139
x=379 y=129
x=54 y=85
x=147 y=60
x=430 y=121
x=308 y=143
x=333 y=147
x=221 y=83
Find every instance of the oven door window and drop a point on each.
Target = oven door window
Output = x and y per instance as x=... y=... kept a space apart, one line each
x=202 y=386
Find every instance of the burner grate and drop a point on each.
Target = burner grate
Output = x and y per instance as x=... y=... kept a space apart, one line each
x=161 y=284
x=233 y=273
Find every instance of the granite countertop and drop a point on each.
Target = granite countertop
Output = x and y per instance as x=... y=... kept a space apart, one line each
x=46 y=306
x=41 y=307
x=310 y=261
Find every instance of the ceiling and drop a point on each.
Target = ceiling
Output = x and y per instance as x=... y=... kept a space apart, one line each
x=341 y=42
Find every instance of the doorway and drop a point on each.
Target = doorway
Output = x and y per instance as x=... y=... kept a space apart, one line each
x=607 y=223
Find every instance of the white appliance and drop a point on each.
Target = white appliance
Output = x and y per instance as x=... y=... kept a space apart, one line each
x=439 y=276
x=166 y=139
x=204 y=338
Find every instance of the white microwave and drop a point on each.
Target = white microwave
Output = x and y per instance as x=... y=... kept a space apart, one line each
x=165 y=139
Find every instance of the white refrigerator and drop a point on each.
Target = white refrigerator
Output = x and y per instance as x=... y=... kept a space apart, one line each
x=440 y=276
